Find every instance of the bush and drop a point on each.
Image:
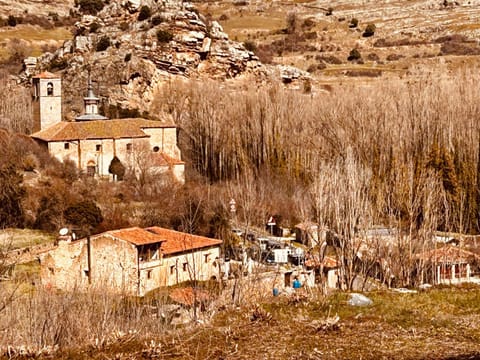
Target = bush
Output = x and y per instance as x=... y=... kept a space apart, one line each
x=308 y=23
x=291 y=22
x=353 y=23
x=265 y=53
x=124 y=26
x=223 y=17
x=250 y=45
x=54 y=16
x=307 y=86
x=329 y=59
x=103 y=44
x=145 y=13
x=316 y=67
x=329 y=11
x=58 y=64
x=85 y=214
x=91 y=7
x=164 y=36
x=116 y=168
x=94 y=27
x=128 y=57
x=394 y=57
x=12 y=20
x=354 y=55
x=363 y=73
x=369 y=30
x=157 y=20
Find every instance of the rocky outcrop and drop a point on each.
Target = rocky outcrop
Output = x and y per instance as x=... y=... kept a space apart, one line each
x=129 y=58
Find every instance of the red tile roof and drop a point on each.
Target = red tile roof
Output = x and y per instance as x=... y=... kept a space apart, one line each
x=135 y=235
x=448 y=255
x=162 y=159
x=177 y=242
x=98 y=129
x=187 y=297
x=314 y=261
x=46 y=75
x=172 y=241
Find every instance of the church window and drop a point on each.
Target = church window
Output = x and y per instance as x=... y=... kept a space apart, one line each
x=129 y=147
x=156 y=149
x=66 y=146
x=98 y=147
x=50 y=89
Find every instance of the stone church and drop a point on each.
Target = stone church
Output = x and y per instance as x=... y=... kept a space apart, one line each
x=92 y=141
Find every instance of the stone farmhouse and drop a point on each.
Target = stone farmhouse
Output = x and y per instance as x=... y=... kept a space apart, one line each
x=92 y=141
x=131 y=261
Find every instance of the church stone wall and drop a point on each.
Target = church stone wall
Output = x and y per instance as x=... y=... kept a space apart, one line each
x=165 y=139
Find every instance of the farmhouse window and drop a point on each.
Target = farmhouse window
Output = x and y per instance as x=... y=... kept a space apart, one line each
x=98 y=147
x=149 y=274
x=207 y=256
x=150 y=252
x=185 y=266
x=172 y=269
x=66 y=146
x=129 y=147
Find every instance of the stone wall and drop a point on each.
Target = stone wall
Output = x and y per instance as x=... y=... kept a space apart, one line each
x=135 y=158
x=113 y=266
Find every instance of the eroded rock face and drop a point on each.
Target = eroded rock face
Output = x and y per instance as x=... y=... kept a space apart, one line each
x=139 y=55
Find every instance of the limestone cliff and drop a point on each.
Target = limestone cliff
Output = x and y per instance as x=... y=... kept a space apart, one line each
x=130 y=52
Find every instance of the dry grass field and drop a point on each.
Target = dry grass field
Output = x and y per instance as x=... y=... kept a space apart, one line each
x=443 y=323
x=32 y=40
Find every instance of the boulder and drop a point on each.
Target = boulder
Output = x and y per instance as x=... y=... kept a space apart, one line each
x=132 y=5
x=216 y=31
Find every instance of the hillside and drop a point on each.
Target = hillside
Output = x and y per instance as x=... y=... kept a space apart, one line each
x=411 y=38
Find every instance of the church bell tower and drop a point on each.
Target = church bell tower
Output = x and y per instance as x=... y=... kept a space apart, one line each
x=47 y=100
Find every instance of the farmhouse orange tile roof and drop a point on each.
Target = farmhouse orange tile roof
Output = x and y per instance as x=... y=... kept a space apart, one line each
x=328 y=262
x=135 y=235
x=177 y=242
x=186 y=296
x=448 y=254
x=98 y=129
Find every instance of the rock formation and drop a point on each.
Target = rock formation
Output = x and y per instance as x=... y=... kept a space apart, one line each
x=129 y=58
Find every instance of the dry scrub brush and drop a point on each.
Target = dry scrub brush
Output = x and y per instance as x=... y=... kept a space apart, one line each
x=44 y=318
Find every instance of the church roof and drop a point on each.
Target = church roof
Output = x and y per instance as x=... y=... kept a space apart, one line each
x=161 y=159
x=46 y=75
x=98 y=129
